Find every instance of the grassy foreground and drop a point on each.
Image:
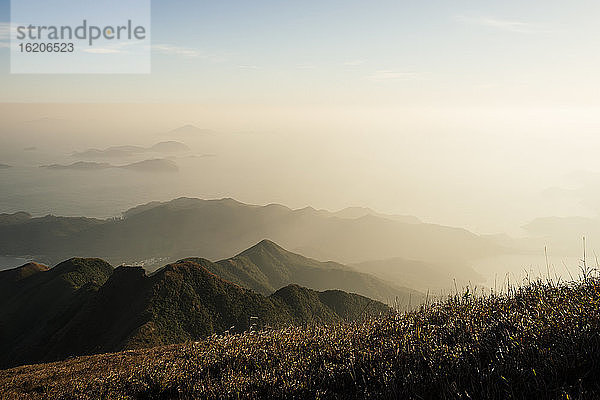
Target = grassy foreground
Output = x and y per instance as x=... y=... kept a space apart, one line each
x=540 y=341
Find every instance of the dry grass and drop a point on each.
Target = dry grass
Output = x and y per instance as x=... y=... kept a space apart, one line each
x=540 y=341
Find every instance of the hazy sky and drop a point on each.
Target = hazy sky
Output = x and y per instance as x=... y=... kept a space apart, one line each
x=426 y=53
x=460 y=112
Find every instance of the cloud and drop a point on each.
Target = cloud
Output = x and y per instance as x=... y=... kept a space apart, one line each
x=390 y=76
x=4 y=30
x=501 y=24
x=5 y=34
x=121 y=47
x=102 y=50
x=176 y=50
x=187 y=52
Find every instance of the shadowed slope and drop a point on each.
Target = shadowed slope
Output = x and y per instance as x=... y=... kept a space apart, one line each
x=34 y=308
x=539 y=342
x=77 y=308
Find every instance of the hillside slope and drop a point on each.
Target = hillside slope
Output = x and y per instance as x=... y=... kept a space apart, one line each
x=36 y=302
x=539 y=342
x=82 y=306
x=266 y=267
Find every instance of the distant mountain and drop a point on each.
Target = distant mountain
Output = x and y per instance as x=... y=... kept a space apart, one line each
x=16 y=218
x=154 y=165
x=189 y=131
x=110 y=152
x=80 y=165
x=83 y=306
x=266 y=267
x=359 y=212
x=218 y=228
x=5 y=166
x=139 y=209
x=170 y=147
x=128 y=151
x=44 y=235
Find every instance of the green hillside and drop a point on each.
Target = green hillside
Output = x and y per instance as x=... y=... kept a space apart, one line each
x=266 y=267
x=82 y=306
x=38 y=302
x=538 y=342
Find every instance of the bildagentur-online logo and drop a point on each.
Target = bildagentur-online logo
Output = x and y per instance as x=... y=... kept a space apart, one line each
x=84 y=31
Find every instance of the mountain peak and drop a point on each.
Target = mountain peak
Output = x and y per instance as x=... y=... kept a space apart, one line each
x=189 y=130
x=188 y=266
x=78 y=262
x=78 y=271
x=269 y=243
x=170 y=146
x=34 y=267
x=264 y=245
x=24 y=271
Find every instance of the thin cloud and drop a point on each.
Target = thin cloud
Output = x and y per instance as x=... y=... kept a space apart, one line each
x=187 y=52
x=5 y=34
x=4 y=30
x=123 y=47
x=391 y=76
x=501 y=24
x=102 y=50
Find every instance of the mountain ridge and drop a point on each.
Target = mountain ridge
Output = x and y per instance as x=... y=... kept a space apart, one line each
x=84 y=306
x=186 y=227
x=266 y=267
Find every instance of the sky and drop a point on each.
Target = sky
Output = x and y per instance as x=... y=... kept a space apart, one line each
x=460 y=112
x=365 y=53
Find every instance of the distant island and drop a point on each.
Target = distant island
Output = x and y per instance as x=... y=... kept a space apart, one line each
x=80 y=165
x=153 y=165
x=189 y=131
x=128 y=151
x=5 y=166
